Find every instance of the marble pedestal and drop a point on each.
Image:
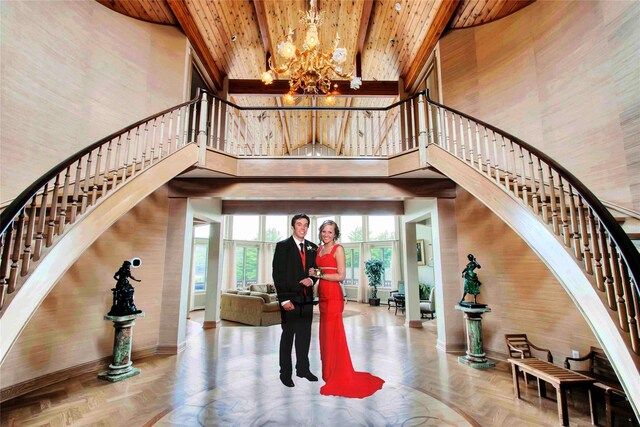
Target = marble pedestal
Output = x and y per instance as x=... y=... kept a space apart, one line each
x=475 y=357
x=121 y=367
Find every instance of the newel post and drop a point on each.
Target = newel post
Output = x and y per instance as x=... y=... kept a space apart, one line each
x=201 y=129
x=422 y=130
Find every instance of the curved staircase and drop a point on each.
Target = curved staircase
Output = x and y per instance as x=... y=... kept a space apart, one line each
x=560 y=219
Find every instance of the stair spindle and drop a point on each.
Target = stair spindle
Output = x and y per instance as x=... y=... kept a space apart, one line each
x=85 y=186
x=28 y=238
x=65 y=199
x=15 y=255
x=76 y=192
x=584 y=236
x=53 y=213
x=595 y=244
x=618 y=287
x=575 y=226
x=632 y=321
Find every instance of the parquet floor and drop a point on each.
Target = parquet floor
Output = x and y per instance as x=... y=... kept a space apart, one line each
x=229 y=376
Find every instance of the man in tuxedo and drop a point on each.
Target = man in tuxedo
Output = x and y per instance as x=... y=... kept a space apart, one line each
x=291 y=263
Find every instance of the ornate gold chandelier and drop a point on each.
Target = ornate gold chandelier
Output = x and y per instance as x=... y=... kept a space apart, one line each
x=309 y=68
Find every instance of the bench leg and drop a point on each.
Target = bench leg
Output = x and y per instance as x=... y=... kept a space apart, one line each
x=563 y=414
x=592 y=408
x=542 y=388
x=516 y=383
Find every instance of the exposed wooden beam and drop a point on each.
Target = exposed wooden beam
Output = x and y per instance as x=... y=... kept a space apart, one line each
x=341 y=207
x=369 y=88
x=262 y=24
x=284 y=124
x=188 y=25
x=419 y=65
x=343 y=126
x=367 y=7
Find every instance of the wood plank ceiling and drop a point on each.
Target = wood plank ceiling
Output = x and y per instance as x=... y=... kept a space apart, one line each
x=389 y=40
x=392 y=37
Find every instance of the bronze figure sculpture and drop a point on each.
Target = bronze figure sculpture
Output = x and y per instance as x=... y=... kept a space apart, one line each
x=471 y=282
x=123 y=292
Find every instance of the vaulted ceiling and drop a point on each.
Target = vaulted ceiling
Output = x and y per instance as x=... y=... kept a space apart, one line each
x=388 y=39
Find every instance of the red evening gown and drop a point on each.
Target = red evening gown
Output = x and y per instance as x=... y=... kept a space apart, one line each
x=337 y=370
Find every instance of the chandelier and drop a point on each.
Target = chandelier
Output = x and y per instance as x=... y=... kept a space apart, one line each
x=309 y=68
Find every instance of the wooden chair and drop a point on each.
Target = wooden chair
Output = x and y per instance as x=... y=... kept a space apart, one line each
x=391 y=301
x=600 y=369
x=518 y=346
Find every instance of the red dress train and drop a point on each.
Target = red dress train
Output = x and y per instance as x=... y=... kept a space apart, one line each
x=337 y=370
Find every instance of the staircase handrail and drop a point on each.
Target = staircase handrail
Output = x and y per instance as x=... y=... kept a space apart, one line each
x=627 y=249
x=11 y=211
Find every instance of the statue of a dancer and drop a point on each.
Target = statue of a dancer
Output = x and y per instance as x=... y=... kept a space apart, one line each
x=471 y=282
x=123 y=292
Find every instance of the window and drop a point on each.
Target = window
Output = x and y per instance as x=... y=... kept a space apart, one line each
x=246 y=227
x=201 y=231
x=352 y=256
x=351 y=229
x=276 y=228
x=246 y=266
x=200 y=254
x=382 y=228
x=384 y=253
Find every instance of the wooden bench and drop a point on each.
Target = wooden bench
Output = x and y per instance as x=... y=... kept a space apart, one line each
x=600 y=369
x=545 y=372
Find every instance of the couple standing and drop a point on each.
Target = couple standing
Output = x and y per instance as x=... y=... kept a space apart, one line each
x=297 y=264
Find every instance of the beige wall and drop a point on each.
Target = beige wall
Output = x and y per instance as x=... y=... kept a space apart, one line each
x=521 y=291
x=73 y=72
x=68 y=329
x=563 y=76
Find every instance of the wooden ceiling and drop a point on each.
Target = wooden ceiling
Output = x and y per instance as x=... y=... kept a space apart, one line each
x=391 y=39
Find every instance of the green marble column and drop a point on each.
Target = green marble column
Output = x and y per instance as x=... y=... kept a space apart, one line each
x=121 y=367
x=475 y=357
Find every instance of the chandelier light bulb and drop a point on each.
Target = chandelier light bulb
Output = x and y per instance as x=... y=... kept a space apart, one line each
x=289 y=99
x=311 y=39
x=267 y=77
x=330 y=100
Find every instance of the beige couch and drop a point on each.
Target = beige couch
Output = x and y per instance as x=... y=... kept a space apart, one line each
x=250 y=308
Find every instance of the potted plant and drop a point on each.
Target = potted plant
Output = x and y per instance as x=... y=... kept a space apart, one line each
x=374 y=269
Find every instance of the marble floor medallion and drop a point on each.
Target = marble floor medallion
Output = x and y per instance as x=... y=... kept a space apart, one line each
x=250 y=401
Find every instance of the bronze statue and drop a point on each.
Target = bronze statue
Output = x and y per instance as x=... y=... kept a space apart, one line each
x=471 y=282
x=123 y=292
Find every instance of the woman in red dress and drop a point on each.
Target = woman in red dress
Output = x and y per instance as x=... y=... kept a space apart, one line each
x=337 y=370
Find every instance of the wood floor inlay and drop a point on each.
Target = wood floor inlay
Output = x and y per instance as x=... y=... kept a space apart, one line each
x=228 y=376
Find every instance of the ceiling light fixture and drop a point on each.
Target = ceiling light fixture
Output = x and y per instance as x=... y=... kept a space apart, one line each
x=310 y=69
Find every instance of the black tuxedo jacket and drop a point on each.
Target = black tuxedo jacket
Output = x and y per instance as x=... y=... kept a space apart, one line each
x=288 y=270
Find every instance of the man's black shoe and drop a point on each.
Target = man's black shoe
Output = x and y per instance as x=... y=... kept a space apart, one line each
x=287 y=381
x=307 y=375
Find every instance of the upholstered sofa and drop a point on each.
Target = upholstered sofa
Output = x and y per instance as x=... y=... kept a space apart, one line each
x=250 y=308
x=268 y=289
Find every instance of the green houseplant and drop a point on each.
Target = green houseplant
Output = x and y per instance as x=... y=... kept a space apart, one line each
x=374 y=269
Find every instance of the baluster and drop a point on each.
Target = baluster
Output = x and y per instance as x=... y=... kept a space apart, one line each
x=430 y=125
x=542 y=195
x=152 y=149
x=106 y=176
x=505 y=164
x=606 y=263
x=28 y=239
x=632 y=322
x=463 y=144
x=15 y=255
x=53 y=213
x=125 y=166
x=554 y=208
x=85 y=184
x=514 y=174
x=523 y=177
x=575 y=230
x=486 y=153
x=180 y=123
x=76 y=192
x=216 y=119
x=145 y=146
x=472 y=157
x=584 y=236
x=563 y=214
x=636 y=308
x=478 y=148
x=454 y=137
x=5 y=250
x=65 y=198
x=96 y=175
x=42 y=220
x=447 y=138
x=617 y=285
x=134 y=159
x=170 y=148
x=533 y=190
x=161 y=139
x=441 y=142
x=595 y=244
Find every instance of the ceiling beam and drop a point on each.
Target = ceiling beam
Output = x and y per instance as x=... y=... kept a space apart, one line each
x=419 y=65
x=367 y=7
x=369 y=88
x=188 y=25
